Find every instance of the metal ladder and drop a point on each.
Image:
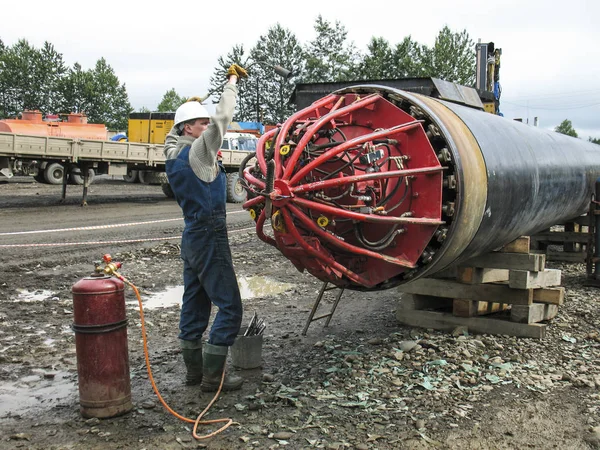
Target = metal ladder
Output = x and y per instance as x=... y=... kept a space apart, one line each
x=311 y=317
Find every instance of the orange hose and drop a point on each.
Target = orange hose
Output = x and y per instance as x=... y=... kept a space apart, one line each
x=198 y=420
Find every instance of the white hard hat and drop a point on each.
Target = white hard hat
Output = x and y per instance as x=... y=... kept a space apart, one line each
x=189 y=111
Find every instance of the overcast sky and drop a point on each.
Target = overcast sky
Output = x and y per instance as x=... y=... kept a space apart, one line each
x=550 y=60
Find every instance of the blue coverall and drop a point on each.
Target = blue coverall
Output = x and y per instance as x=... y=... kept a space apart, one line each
x=208 y=273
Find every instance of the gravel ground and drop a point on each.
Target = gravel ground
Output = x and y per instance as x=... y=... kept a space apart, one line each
x=365 y=382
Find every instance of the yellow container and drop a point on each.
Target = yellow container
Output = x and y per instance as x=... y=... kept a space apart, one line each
x=150 y=128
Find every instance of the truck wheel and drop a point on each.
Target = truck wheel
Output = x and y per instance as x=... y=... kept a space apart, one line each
x=54 y=173
x=39 y=177
x=235 y=190
x=166 y=188
x=77 y=178
x=132 y=176
x=149 y=177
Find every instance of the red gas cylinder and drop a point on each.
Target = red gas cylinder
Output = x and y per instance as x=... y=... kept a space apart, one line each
x=100 y=327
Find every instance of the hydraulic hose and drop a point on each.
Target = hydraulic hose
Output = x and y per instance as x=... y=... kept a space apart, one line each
x=248 y=157
x=111 y=270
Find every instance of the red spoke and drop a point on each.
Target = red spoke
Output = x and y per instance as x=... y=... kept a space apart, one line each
x=288 y=123
x=260 y=150
x=372 y=218
x=252 y=179
x=335 y=182
x=302 y=217
x=260 y=232
x=253 y=201
x=291 y=163
x=289 y=223
x=349 y=144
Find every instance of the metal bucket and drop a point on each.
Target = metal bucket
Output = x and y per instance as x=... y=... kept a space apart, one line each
x=246 y=351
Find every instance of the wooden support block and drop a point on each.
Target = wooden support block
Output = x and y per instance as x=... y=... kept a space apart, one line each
x=446 y=273
x=570 y=246
x=582 y=220
x=523 y=279
x=519 y=245
x=496 y=293
x=478 y=275
x=420 y=302
x=556 y=255
x=534 y=313
x=515 y=261
x=560 y=237
x=469 y=308
x=553 y=296
x=485 y=325
x=464 y=307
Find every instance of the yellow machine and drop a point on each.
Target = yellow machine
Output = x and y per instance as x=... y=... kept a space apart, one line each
x=488 y=74
x=150 y=127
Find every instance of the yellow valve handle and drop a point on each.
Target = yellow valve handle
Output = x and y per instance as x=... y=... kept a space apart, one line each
x=322 y=221
x=277 y=222
x=284 y=150
x=252 y=214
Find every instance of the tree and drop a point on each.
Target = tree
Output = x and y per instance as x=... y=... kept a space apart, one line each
x=279 y=47
x=110 y=103
x=77 y=90
x=594 y=140
x=49 y=70
x=3 y=82
x=98 y=93
x=33 y=78
x=566 y=127
x=378 y=62
x=29 y=78
x=329 y=57
x=406 y=59
x=382 y=61
x=16 y=79
x=170 y=101
x=452 y=58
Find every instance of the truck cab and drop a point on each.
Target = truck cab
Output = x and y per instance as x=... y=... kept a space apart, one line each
x=239 y=141
x=236 y=146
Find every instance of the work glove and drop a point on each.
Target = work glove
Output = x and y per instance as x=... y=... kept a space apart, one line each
x=238 y=71
x=194 y=99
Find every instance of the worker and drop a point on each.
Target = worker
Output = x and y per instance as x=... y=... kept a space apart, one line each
x=199 y=185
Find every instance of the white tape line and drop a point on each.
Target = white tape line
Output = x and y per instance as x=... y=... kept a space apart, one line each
x=97 y=227
x=59 y=244
x=125 y=241
x=93 y=227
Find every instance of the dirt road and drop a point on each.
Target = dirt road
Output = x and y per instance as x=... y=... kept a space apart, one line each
x=364 y=382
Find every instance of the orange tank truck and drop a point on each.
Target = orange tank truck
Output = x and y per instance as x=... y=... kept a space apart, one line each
x=75 y=127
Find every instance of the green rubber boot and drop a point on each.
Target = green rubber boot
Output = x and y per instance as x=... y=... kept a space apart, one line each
x=192 y=356
x=215 y=357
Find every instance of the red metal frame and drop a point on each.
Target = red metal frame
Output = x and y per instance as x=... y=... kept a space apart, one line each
x=355 y=210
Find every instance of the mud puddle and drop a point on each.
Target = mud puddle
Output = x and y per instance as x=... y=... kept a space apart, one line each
x=38 y=295
x=250 y=287
x=39 y=390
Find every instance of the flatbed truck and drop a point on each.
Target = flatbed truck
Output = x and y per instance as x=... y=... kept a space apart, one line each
x=59 y=159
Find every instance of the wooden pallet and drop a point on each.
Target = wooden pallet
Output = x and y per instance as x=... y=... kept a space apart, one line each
x=564 y=242
x=505 y=292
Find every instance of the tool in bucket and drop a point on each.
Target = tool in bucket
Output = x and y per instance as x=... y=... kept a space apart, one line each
x=256 y=326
